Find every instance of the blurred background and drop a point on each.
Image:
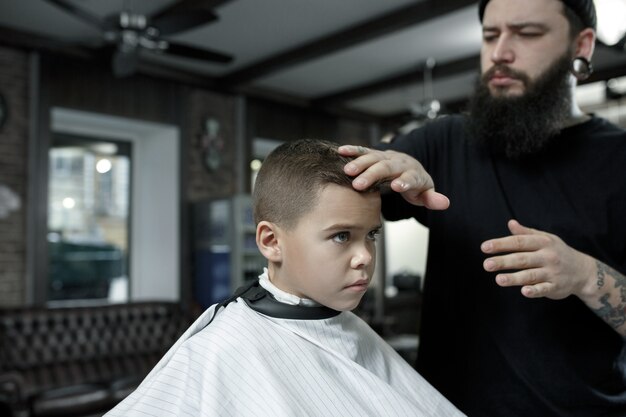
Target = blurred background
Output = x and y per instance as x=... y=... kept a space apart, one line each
x=131 y=132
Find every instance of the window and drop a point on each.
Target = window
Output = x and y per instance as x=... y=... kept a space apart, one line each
x=88 y=219
x=148 y=156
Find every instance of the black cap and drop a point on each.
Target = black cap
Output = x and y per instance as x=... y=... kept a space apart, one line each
x=584 y=9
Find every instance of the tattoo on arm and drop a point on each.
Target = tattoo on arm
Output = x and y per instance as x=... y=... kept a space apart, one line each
x=614 y=314
x=601 y=269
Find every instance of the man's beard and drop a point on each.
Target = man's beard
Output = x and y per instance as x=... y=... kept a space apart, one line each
x=521 y=125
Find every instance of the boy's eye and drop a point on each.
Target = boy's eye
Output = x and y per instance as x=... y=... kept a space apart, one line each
x=341 y=237
x=373 y=234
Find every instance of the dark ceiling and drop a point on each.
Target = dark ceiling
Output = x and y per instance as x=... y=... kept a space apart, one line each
x=360 y=57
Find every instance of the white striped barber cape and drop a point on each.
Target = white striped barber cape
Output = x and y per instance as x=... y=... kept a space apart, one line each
x=248 y=364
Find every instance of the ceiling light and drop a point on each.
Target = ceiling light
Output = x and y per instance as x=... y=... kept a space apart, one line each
x=611 y=20
x=103 y=166
x=69 y=203
x=255 y=165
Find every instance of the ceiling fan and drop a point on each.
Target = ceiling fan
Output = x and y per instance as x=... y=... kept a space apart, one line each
x=428 y=107
x=131 y=33
x=425 y=109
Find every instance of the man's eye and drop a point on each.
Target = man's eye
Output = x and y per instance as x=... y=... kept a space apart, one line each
x=341 y=237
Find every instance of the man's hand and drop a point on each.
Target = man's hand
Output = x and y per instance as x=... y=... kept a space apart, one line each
x=546 y=267
x=406 y=174
x=541 y=263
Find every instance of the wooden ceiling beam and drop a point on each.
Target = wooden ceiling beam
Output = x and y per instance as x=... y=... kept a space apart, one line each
x=359 y=33
x=457 y=105
x=31 y=41
x=444 y=70
x=398 y=80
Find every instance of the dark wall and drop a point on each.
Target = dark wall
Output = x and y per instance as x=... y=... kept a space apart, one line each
x=88 y=86
x=14 y=70
x=283 y=122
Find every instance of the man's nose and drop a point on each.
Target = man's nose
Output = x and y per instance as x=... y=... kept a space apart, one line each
x=502 y=51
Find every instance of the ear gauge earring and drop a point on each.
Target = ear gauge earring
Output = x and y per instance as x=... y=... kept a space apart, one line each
x=581 y=68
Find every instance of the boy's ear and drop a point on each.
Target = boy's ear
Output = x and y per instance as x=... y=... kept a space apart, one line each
x=267 y=241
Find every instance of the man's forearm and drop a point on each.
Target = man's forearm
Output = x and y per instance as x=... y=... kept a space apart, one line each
x=610 y=300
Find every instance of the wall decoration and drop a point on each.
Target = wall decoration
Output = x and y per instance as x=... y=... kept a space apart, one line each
x=211 y=144
x=9 y=201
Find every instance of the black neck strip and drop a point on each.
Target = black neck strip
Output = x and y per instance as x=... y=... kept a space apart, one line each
x=261 y=301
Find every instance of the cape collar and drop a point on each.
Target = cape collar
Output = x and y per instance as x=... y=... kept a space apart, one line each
x=283 y=296
x=262 y=301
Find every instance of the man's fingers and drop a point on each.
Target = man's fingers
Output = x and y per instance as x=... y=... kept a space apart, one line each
x=522 y=239
x=407 y=175
x=362 y=162
x=522 y=260
x=430 y=199
x=533 y=283
x=370 y=169
x=526 y=277
x=373 y=165
x=516 y=243
x=435 y=201
x=352 y=150
x=542 y=289
x=517 y=228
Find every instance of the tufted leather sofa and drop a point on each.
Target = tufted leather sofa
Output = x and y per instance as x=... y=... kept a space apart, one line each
x=81 y=361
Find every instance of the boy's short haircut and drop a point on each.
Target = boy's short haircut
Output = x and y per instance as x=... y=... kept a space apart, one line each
x=291 y=178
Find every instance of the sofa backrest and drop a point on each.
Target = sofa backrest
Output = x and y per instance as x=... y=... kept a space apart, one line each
x=60 y=346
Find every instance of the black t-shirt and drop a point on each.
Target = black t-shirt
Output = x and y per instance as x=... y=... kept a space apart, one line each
x=489 y=349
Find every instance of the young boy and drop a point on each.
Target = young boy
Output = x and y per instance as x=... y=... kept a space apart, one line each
x=287 y=344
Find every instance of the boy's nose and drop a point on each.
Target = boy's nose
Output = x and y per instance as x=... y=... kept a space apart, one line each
x=362 y=257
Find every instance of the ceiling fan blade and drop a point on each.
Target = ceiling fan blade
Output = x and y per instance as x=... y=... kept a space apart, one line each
x=82 y=14
x=124 y=61
x=182 y=12
x=197 y=53
x=186 y=5
x=183 y=20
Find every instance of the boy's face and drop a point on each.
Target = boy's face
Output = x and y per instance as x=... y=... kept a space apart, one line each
x=330 y=255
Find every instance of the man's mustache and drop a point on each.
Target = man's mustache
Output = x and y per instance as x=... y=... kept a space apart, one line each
x=506 y=71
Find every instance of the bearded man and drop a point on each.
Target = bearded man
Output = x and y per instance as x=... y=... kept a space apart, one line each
x=524 y=309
